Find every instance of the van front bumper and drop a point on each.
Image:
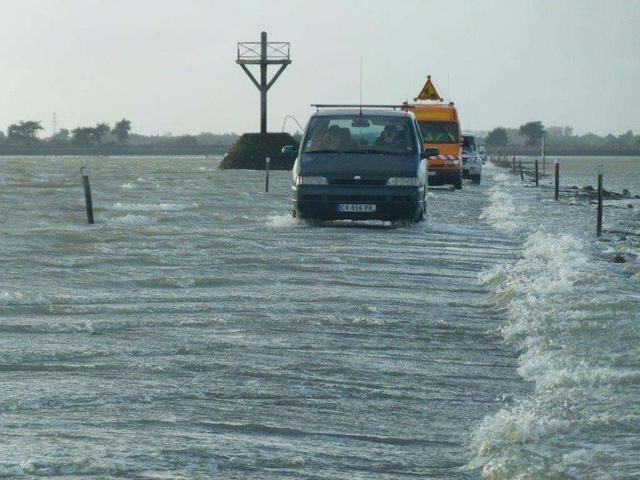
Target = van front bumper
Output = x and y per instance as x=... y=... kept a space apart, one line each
x=389 y=203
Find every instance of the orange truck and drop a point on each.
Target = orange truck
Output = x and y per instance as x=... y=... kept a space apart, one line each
x=440 y=129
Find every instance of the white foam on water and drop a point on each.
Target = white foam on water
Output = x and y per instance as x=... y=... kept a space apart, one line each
x=502 y=177
x=565 y=324
x=10 y=298
x=127 y=186
x=20 y=298
x=549 y=264
x=501 y=213
x=136 y=220
x=145 y=207
x=353 y=321
x=75 y=467
x=58 y=326
x=282 y=221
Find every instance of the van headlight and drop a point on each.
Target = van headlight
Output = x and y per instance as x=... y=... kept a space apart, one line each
x=302 y=180
x=404 y=181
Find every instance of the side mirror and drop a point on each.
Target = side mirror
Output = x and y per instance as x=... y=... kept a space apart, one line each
x=289 y=150
x=430 y=152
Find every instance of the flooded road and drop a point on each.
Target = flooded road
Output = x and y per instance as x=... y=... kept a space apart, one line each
x=197 y=330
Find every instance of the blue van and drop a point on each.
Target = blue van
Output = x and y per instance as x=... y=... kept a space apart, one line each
x=361 y=164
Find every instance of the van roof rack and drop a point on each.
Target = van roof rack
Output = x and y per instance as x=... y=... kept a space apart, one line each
x=357 y=105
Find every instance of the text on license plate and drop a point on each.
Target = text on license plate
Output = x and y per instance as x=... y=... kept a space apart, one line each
x=356 y=207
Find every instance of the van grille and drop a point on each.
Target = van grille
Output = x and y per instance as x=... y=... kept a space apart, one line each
x=363 y=181
x=356 y=198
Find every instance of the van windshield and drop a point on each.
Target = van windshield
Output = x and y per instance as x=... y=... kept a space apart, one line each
x=439 y=132
x=468 y=143
x=359 y=134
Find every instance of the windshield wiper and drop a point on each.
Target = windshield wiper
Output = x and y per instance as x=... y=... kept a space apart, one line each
x=368 y=150
x=322 y=151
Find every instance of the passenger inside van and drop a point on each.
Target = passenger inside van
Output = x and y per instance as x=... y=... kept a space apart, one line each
x=387 y=137
x=392 y=138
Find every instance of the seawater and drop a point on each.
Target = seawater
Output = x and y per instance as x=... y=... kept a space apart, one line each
x=198 y=331
x=573 y=318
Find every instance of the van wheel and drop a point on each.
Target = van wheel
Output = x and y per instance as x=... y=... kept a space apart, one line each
x=419 y=216
x=475 y=178
x=458 y=183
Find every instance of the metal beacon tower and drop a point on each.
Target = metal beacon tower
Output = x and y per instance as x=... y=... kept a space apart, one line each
x=263 y=53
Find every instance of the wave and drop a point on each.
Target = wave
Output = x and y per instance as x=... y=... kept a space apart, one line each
x=20 y=298
x=136 y=220
x=501 y=212
x=152 y=207
x=282 y=221
x=575 y=339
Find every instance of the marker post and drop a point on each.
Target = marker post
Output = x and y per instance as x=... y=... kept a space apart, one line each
x=599 y=220
x=557 y=168
x=266 y=181
x=521 y=172
x=87 y=194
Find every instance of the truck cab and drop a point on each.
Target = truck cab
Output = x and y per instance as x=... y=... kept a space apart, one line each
x=440 y=129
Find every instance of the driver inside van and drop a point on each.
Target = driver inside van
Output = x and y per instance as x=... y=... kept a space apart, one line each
x=330 y=140
x=335 y=139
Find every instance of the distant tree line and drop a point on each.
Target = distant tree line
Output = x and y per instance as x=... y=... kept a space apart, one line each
x=529 y=135
x=25 y=133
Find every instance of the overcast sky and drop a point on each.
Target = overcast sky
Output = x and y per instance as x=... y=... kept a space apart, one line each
x=169 y=66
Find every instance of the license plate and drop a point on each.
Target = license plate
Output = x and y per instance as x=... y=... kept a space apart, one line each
x=431 y=174
x=356 y=207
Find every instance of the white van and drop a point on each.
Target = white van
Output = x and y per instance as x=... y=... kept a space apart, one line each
x=471 y=159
